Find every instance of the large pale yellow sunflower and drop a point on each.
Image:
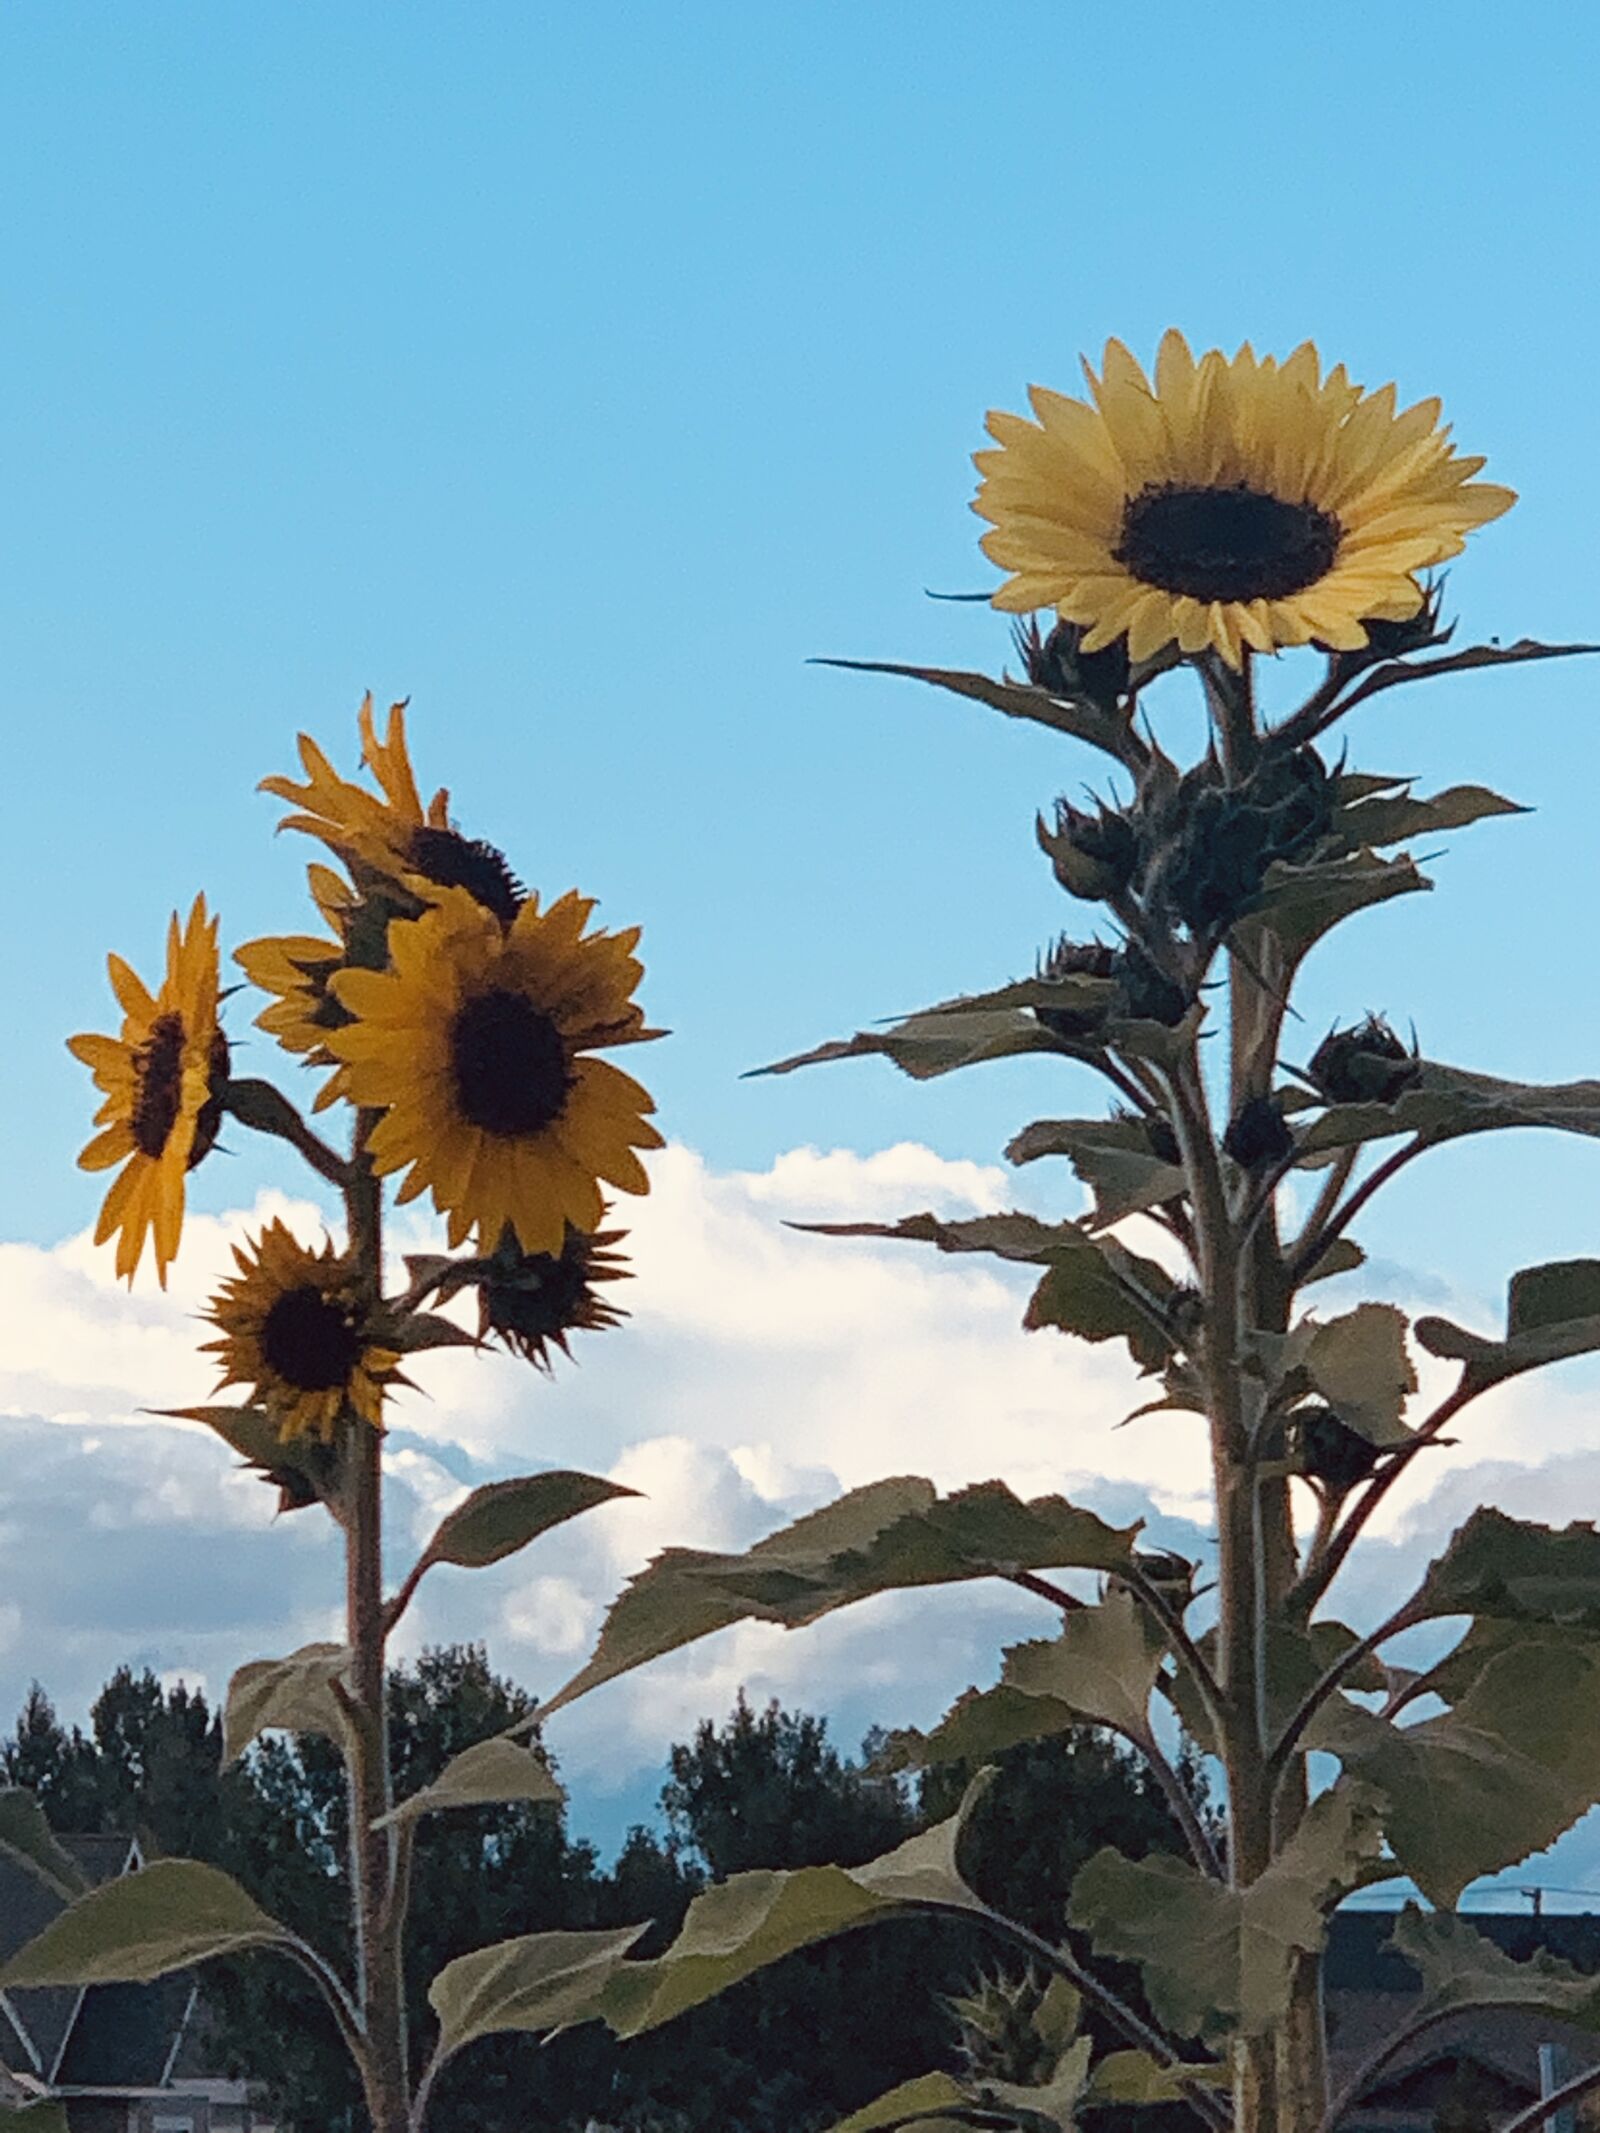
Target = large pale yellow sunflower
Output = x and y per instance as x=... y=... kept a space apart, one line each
x=475 y=1045
x=290 y=1329
x=163 y=1081
x=1240 y=503
x=390 y=833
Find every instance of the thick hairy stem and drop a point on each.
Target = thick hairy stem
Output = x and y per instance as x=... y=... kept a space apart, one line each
x=380 y=1987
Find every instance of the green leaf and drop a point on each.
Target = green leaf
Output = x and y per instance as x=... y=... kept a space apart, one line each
x=503 y=1516
x=1342 y=1256
x=1112 y=1157
x=1081 y=720
x=540 y=1981
x=884 y=1538
x=249 y=1431
x=916 y=2103
x=1134 y=2077
x=1501 y=1775
x=1299 y=904
x=1461 y=1968
x=1397 y=816
x=166 y=1916
x=741 y=1925
x=492 y=1772
x=1447 y=1103
x=413 y=1332
x=1102 y=1666
x=927 y=1045
x=1360 y=1366
x=1215 y=1957
x=27 y=1837
x=980 y=1723
x=1515 y=1569
x=1050 y=2104
x=295 y=1694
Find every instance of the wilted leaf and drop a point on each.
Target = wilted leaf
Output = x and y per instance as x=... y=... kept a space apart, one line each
x=295 y=1694
x=412 y=1332
x=741 y=1925
x=1214 y=1956
x=541 y=1981
x=164 y=1917
x=1360 y=1366
x=25 y=1835
x=883 y=1538
x=503 y=1516
x=916 y=2104
x=491 y=1772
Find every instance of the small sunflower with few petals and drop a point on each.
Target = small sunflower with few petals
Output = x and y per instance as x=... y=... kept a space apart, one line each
x=476 y=1045
x=1238 y=504
x=163 y=1080
x=290 y=1329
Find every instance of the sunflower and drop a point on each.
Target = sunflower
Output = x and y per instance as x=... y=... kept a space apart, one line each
x=296 y=969
x=1243 y=504
x=163 y=1081
x=290 y=1329
x=533 y=1300
x=390 y=836
x=474 y=1046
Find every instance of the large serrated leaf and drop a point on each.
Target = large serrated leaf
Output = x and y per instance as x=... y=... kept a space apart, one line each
x=887 y=1537
x=1102 y=1665
x=1461 y=1968
x=1216 y=1958
x=489 y=1774
x=1112 y=1157
x=540 y=1982
x=1508 y=1568
x=164 y=1917
x=503 y=1516
x=741 y=1925
x=1447 y=1103
x=1501 y=1775
x=26 y=1836
x=295 y=1695
x=1359 y=1364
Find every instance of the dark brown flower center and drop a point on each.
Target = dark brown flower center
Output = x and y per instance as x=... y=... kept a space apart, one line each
x=208 y=1122
x=452 y=861
x=158 y=1094
x=308 y=1341
x=509 y=1065
x=1225 y=544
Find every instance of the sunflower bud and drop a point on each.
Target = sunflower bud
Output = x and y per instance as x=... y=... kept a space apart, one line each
x=1208 y=846
x=1058 y=663
x=1258 y=1134
x=1076 y=959
x=1398 y=640
x=1364 y=1065
x=1159 y=1136
x=1093 y=855
x=533 y=1300
x=1151 y=995
x=1329 y=1450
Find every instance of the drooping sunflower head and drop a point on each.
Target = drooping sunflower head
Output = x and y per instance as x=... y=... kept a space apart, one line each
x=533 y=1300
x=289 y=1328
x=388 y=839
x=1239 y=503
x=476 y=1045
x=163 y=1080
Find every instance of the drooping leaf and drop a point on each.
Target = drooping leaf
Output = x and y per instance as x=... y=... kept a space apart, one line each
x=503 y=1516
x=1462 y=1968
x=1081 y=720
x=26 y=1836
x=491 y=1772
x=249 y=1431
x=1501 y=1775
x=741 y=1925
x=1214 y=1956
x=919 y=2104
x=540 y=1981
x=166 y=1916
x=295 y=1694
x=1360 y=1366
x=925 y=1046
x=887 y=1537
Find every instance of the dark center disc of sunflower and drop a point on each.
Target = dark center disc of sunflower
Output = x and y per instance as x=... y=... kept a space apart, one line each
x=308 y=1341
x=159 y=1064
x=1225 y=544
x=509 y=1065
x=452 y=861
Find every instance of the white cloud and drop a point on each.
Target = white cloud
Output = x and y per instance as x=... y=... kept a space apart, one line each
x=763 y=1369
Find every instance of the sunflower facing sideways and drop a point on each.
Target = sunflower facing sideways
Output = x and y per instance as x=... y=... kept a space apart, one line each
x=163 y=1080
x=1242 y=504
x=475 y=1045
x=289 y=1329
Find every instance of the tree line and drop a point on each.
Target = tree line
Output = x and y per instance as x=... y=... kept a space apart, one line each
x=792 y=2050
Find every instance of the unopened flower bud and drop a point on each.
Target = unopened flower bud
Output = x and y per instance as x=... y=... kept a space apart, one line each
x=1077 y=959
x=1151 y=995
x=1093 y=855
x=1258 y=1134
x=1059 y=664
x=1329 y=1450
x=1364 y=1065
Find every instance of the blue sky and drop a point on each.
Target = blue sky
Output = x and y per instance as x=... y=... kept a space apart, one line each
x=581 y=373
